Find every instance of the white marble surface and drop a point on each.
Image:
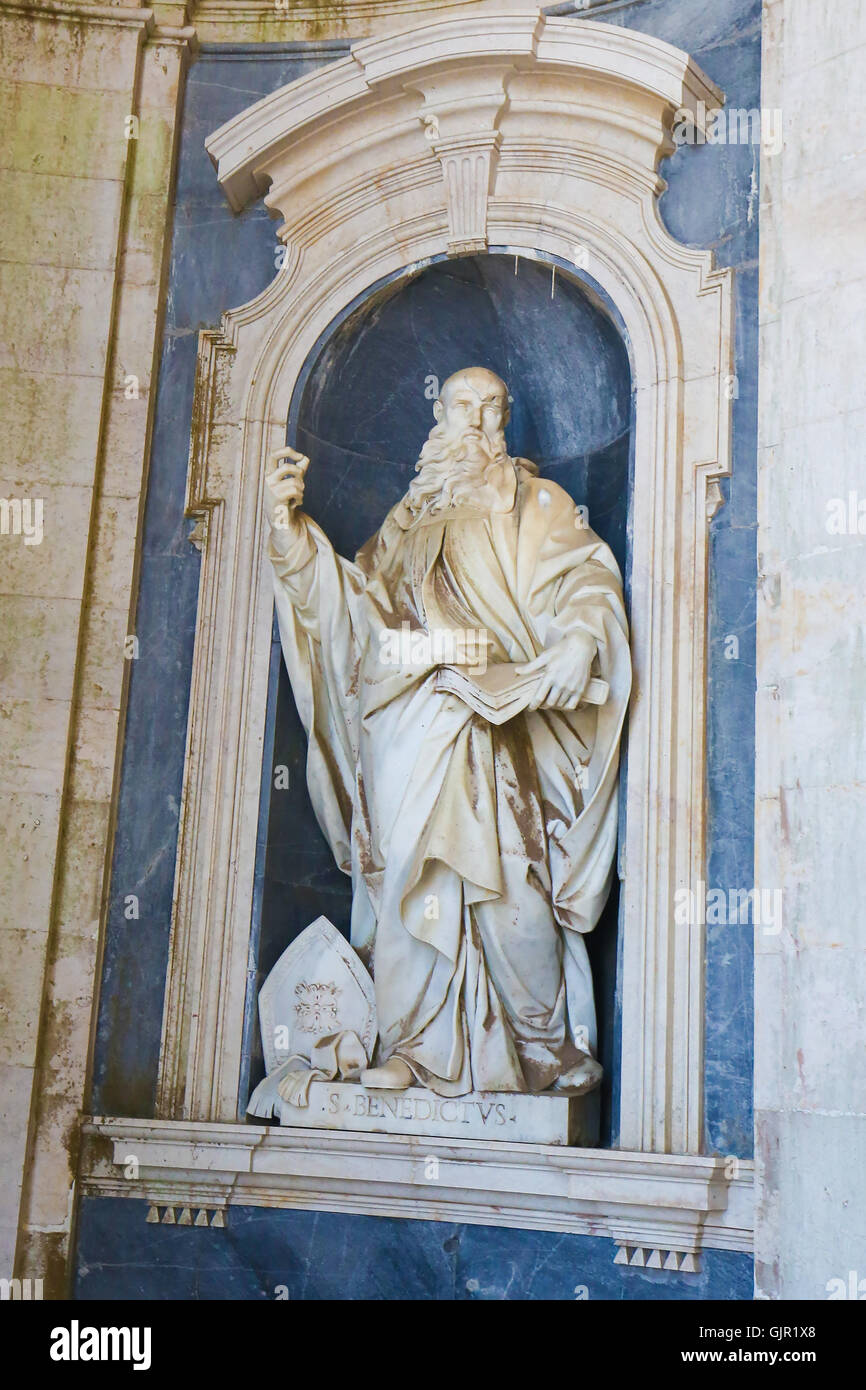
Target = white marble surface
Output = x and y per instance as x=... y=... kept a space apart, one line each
x=318 y=986
x=810 y=978
x=474 y=921
x=516 y=1119
x=651 y=1201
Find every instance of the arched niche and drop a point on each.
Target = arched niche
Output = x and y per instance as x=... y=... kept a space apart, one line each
x=361 y=410
x=540 y=137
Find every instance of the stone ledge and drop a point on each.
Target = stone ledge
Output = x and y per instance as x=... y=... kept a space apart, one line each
x=665 y=1202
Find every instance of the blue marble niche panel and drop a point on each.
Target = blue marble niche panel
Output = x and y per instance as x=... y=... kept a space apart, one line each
x=362 y=415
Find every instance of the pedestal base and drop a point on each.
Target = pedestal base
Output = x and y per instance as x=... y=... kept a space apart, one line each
x=515 y=1119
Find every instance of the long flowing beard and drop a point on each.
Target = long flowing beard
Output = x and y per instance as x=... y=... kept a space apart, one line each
x=455 y=470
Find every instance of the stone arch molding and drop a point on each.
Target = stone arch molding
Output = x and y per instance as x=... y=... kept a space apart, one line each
x=543 y=136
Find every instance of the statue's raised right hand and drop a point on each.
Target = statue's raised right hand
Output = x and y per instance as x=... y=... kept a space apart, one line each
x=284 y=490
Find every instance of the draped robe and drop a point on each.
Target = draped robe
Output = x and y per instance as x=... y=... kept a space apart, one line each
x=480 y=855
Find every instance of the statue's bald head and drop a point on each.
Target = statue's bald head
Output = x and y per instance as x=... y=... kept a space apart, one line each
x=473 y=398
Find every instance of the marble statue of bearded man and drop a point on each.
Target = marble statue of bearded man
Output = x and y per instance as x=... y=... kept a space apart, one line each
x=480 y=854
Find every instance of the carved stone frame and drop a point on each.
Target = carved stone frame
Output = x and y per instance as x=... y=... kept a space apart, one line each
x=544 y=136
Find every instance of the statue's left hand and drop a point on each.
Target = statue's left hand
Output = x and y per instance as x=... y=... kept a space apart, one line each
x=563 y=671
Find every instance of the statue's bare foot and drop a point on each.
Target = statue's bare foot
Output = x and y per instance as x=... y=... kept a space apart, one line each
x=582 y=1077
x=394 y=1075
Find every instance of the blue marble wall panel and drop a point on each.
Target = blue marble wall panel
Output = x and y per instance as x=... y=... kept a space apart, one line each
x=218 y=260
x=712 y=201
x=308 y=1256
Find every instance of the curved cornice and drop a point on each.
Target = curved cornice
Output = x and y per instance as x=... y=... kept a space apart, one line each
x=454 y=78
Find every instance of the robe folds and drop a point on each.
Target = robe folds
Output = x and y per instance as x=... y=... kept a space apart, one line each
x=480 y=855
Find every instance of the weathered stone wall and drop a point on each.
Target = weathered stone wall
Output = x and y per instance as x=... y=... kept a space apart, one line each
x=810 y=981
x=86 y=198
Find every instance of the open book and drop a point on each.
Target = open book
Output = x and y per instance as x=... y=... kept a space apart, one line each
x=498 y=694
